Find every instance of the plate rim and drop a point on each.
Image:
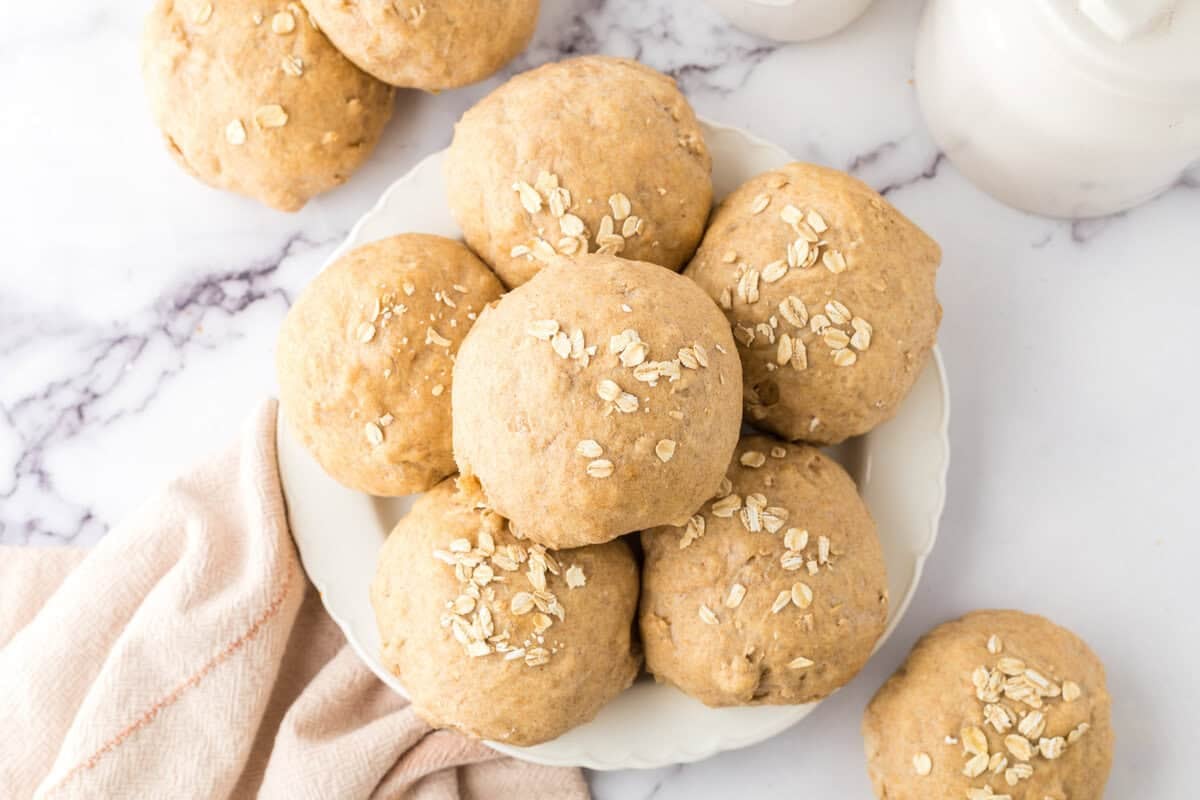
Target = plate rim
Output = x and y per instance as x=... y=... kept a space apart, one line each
x=731 y=740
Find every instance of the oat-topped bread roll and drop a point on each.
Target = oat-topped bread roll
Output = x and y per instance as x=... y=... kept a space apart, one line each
x=366 y=355
x=602 y=397
x=428 y=44
x=830 y=291
x=497 y=637
x=591 y=154
x=775 y=592
x=997 y=705
x=252 y=98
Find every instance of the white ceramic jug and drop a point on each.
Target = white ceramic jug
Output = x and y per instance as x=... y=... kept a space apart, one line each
x=1070 y=108
x=791 y=20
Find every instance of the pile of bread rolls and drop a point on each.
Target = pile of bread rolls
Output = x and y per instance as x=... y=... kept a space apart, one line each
x=611 y=396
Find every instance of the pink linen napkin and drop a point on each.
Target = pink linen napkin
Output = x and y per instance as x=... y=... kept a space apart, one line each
x=186 y=655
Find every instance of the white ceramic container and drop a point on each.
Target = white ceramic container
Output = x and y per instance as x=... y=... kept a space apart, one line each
x=900 y=468
x=791 y=20
x=1069 y=108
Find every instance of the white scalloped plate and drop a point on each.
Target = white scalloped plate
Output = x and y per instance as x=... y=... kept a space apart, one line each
x=900 y=468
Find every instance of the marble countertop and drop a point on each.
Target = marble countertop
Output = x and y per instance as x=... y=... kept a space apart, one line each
x=138 y=311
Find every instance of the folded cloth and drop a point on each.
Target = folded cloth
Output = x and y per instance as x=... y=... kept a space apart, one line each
x=186 y=656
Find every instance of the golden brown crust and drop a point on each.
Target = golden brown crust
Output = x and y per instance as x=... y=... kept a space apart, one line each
x=830 y=611
x=268 y=109
x=428 y=45
x=824 y=386
x=595 y=127
x=366 y=355
x=504 y=694
x=572 y=441
x=916 y=729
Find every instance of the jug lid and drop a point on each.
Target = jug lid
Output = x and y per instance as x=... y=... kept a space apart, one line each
x=1150 y=46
